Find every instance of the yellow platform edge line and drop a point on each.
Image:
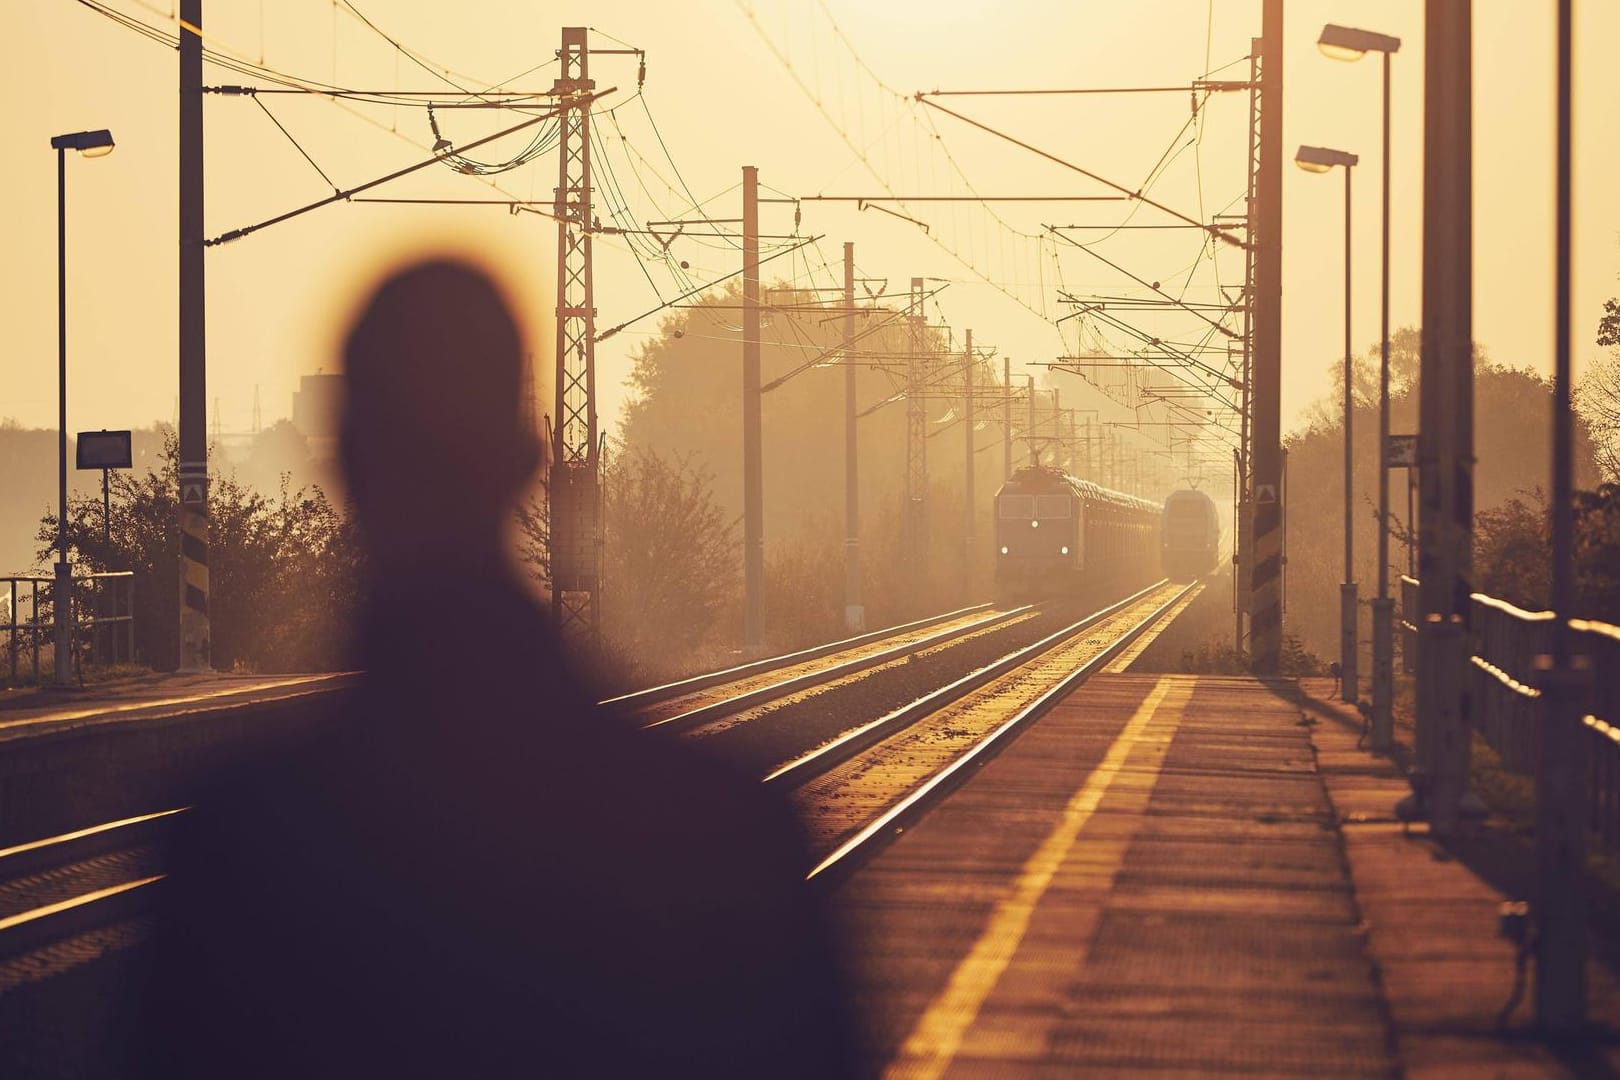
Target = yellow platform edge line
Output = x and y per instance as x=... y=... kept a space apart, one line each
x=937 y=1036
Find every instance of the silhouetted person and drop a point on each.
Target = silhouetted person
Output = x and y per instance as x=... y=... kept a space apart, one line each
x=475 y=871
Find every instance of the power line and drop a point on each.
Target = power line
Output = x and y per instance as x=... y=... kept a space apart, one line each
x=1213 y=230
x=1193 y=87
x=338 y=196
x=295 y=143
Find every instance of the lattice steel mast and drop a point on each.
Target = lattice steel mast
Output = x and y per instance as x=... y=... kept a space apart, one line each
x=575 y=484
x=917 y=371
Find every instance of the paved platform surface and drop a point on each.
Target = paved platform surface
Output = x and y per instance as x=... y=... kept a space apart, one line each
x=1177 y=875
x=1431 y=913
x=29 y=713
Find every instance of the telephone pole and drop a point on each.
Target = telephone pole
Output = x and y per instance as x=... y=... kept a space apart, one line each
x=854 y=612
x=753 y=482
x=575 y=488
x=193 y=436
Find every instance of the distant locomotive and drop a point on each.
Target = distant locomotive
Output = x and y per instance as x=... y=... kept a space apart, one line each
x=1055 y=533
x=1189 y=536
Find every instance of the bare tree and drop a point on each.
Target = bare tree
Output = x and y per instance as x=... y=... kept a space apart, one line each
x=1599 y=395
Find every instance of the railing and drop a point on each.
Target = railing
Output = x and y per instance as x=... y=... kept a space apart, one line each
x=1510 y=647
x=103 y=614
x=1411 y=605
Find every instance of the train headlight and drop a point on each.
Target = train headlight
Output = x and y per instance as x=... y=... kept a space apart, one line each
x=1004 y=551
x=1034 y=524
x=1065 y=551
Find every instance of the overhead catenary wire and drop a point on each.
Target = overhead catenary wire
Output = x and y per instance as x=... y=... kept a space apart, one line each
x=986 y=252
x=236 y=234
x=460 y=93
x=1213 y=230
x=858 y=143
x=296 y=146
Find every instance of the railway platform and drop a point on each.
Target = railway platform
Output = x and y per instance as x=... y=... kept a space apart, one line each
x=31 y=713
x=1195 y=875
x=74 y=758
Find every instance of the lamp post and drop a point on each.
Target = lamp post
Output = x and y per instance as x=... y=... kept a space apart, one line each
x=90 y=144
x=1320 y=159
x=1347 y=43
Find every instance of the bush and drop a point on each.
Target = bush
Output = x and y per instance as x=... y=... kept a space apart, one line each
x=284 y=571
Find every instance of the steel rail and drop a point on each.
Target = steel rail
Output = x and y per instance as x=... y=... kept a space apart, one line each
x=30 y=929
x=37 y=855
x=820 y=676
x=854 y=852
x=655 y=694
x=829 y=755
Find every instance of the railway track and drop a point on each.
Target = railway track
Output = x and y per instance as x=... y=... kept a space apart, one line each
x=687 y=704
x=859 y=791
x=854 y=790
x=55 y=888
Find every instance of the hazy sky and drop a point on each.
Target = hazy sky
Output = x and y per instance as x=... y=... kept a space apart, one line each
x=790 y=86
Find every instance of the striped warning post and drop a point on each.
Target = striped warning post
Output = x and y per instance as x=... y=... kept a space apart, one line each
x=1265 y=611
x=194 y=652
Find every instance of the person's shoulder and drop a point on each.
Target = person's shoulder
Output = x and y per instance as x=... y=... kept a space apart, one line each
x=714 y=801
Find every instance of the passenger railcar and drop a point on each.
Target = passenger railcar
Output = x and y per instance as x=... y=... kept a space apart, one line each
x=1189 y=536
x=1056 y=533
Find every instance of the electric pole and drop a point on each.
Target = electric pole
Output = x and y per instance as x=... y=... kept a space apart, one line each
x=193 y=436
x=1446 y=396
x=1562 y=813
x=969 y=542
x=1265 y=236
x=1057 y=435
x=854 y=612
x=575 y=487
x=1034 y=453
x=1006 y=418
x=916 y=519
x=753 y=483
x=1243 y=495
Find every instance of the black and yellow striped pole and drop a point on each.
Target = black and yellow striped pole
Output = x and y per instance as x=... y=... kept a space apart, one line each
x=194 y=631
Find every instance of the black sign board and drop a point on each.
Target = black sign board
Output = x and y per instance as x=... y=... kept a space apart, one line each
x=104 y=450
x=1401 y=452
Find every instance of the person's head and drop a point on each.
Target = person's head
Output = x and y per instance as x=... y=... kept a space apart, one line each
x=433 y=441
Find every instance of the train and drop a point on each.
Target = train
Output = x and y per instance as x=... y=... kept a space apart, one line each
x=1189 y=536
x=1056 y=534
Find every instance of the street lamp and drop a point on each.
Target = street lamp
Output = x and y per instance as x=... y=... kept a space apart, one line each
x=90 y=144
x=1346 y=43
x=1319 y=159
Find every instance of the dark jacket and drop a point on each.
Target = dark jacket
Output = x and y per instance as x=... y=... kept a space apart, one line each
x=478 y=872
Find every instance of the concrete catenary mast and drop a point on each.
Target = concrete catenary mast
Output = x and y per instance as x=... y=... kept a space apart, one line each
x=194 y=629
x=1265 y=394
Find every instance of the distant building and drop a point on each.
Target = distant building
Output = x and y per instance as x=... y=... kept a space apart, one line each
x=315 y=405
